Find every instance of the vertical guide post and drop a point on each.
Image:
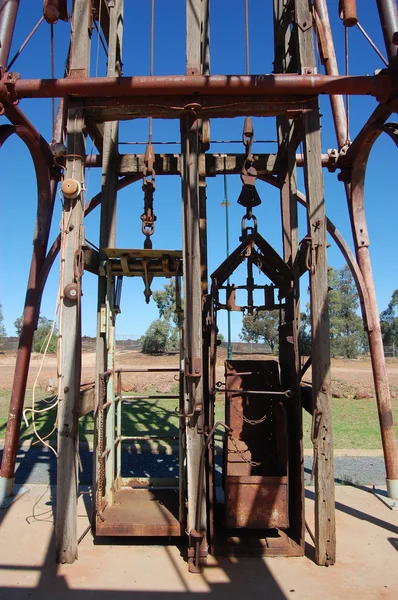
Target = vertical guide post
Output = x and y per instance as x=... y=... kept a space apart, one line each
x=193 y=280
x=70 y=311
x=105 y=347
x=70 y=349
x=288 y=333
x=325 y=529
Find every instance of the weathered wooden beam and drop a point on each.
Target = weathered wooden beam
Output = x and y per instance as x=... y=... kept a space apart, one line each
x=105 y=347
x=70 y=311
x=193 y=307
x=216 y=164
x=289 y=356
x=159 y=107
x=325 y=528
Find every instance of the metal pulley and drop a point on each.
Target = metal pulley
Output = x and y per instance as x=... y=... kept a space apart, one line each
x=71 y=188
x=71 y=292
x=249 y=196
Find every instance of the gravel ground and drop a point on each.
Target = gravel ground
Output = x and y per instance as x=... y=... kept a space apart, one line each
x=38 y=465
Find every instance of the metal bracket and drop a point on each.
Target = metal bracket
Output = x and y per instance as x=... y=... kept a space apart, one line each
x=9 y=80
x=193 y=367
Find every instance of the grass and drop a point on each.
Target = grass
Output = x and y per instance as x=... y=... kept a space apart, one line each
x=355 y=422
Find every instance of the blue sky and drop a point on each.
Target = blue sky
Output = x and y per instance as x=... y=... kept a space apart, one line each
x=18 y=189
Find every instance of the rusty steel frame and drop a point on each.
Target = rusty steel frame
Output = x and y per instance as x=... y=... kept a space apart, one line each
x=353 y=161
x=201 y=95
x=13 y=89
x=46 y=190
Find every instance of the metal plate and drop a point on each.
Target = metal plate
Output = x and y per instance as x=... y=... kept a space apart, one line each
x=255 y=456
x=141 y=512
x=256 y=502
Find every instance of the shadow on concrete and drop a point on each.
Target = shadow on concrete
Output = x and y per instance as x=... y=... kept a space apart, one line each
x=358 y=514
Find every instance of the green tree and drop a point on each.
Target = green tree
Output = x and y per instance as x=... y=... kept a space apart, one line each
x=3 y=333
x=305 y=340
x=42 y=332
x=165 y=301
x=262 y=326
x=389 y=321
x=157 y=337
x=346 y=330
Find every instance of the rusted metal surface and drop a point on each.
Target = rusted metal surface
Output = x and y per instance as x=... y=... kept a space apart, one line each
x=389 y=22
x=348 y=12
x=141 y=512
x=361 y=241
x=379 y=86
x=255 y=453
x=54 y=10
x=30 y=314
x=276 y=544
x=256 y=502
x=328 y=56
x=8 y=16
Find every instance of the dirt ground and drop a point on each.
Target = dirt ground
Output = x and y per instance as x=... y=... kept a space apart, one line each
x=349 y=376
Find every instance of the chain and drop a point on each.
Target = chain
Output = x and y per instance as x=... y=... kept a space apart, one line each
x=148 y=217
x=249 y=421
x=241 y=453
x=101 y=461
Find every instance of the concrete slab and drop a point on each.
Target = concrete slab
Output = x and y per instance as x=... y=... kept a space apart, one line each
x=366 y=567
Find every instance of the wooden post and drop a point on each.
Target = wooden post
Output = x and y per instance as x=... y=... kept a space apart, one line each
x=288 y=332
x=70 y=349
x=325 y=529
x=105 y=347
x=192 y=255
x=70 y=311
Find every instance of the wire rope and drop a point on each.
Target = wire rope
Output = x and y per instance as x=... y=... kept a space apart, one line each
x=151 y=48
x=247 y=37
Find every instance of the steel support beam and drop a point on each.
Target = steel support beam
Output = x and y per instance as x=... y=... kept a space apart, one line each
x=361 y=243
x=8 y=17
x=328 y=57
x=356 y=159
x=380 y=86
x=46 y=190
x=389 y=23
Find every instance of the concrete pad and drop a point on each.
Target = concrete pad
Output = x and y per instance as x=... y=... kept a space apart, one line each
x=366 y=560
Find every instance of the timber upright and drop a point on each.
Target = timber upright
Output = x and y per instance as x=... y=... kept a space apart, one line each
x=259 y=507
